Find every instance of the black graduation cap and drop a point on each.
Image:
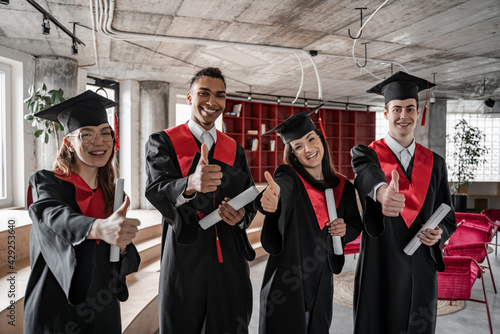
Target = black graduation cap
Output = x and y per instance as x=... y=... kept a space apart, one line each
x=400 y=86
x=86 y=109
x=295 y=126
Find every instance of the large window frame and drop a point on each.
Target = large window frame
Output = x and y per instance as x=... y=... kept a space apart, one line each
x=5 y=136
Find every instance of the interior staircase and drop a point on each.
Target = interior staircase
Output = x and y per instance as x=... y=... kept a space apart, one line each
x=139 y=312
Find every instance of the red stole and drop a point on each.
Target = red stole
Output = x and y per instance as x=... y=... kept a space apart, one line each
x=318 y=199
x=185 y=147
x=92 y=204
x=416 y=191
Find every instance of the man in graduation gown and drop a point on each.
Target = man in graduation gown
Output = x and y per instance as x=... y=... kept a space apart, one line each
x=400 y=184
x=194 y=169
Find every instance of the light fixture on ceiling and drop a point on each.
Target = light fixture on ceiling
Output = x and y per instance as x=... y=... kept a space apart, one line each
x=278 y=100
x=489 y=103
x=74 y=48
x=46 y=25
x=347 y=107
x=305 y=102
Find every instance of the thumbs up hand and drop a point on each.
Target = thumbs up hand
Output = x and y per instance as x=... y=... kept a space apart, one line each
x=206 y=177
x=117 y=229
x=270 y=196
x=391 y=199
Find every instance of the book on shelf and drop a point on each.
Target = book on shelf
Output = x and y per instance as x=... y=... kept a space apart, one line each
x=254 y=144
x=237 y=110
x=253 y=132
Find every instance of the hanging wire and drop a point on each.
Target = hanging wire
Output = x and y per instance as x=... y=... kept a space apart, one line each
x=301 y=78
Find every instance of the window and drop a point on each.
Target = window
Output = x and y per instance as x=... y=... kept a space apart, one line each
x=471 y=111
x=5 y=135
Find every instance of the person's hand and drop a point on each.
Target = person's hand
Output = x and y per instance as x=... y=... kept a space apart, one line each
x=206 y=178
x=430 y=237
x=337 y=228
x=391 y=199
x=270 y=196
x=117 y=229
x=230 y=215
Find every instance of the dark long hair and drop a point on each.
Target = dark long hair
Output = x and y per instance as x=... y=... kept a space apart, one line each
x=64 y=163
x=329 y=174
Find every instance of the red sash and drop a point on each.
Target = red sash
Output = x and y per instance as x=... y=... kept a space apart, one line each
x=185 y=147
x=416 y=191
x=92 y=204
x=318 y=199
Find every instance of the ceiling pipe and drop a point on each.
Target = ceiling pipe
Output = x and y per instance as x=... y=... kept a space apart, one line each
x=104 y=26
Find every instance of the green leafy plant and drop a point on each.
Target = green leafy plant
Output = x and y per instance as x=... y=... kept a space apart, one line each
x=37 y=101
x=469 y=151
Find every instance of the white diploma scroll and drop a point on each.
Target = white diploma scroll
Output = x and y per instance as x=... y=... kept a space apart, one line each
x=332 y=214
x=431 y=223
x=236 y=203
x=114 y=252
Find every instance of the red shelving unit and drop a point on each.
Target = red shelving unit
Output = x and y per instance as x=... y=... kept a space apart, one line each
x=344 y=129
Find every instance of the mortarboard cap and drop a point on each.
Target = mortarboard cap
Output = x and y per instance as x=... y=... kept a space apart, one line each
x=400 y=86
x=86 y=109
x=295 y=126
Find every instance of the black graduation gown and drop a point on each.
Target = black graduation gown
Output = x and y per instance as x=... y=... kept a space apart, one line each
x=73 y=287
x=394 y=292
x=299 y=272
x=196 y=290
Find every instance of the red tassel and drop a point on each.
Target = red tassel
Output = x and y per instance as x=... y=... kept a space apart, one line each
x=425 y=108
x=117 y=138
x=424 y=115
x=321 y=124
x=219 y=252
x=217 y=244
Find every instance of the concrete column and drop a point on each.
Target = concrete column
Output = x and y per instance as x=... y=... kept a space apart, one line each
x=130 y=144
x=55 y=73
x=437 y=127
x=154 y=97
x=433 y=134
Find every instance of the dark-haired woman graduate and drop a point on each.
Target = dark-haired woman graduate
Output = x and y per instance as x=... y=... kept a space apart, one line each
x=73 y=287
x=297 y=290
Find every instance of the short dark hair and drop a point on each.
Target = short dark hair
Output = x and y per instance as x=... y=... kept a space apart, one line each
x=212 y=72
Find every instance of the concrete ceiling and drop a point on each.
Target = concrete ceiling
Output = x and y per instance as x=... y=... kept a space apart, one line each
x=258 y=43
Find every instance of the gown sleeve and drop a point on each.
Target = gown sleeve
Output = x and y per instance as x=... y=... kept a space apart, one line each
x=449 y=223
x=273 y=230
x=164 y=185
x=57 y=228
x=368 y=174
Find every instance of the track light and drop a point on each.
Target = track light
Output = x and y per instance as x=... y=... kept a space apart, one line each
x=489 y=103
x=249 y=98
x=278 y=100
x=305 y=102
x=347 y=107
x=4 y=2
x=46 y=25
x=74 y=48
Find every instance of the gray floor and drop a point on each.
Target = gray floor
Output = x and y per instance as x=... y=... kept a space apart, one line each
x=472 y=319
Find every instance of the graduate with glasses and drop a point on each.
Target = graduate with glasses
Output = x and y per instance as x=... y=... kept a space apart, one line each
x=297 y=290
x=73 y=287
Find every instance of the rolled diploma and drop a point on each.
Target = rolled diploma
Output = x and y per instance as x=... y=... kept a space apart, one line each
x=236 y=203
x=332 y=214
x=114 y=252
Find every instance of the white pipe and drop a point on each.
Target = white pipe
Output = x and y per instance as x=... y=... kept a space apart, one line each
x=105 y=25
x=301 y=78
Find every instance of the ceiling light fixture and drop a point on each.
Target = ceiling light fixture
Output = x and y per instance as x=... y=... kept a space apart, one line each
x=489 y=103
x=278 y=100
x=74 y=48
x=46 y=25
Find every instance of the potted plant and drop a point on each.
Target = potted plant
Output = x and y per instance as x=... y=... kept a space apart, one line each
x=37 y=101
x=469 y=151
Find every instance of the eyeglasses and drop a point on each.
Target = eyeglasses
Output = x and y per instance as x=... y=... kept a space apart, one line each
x=298 y=148
x=88 y=137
